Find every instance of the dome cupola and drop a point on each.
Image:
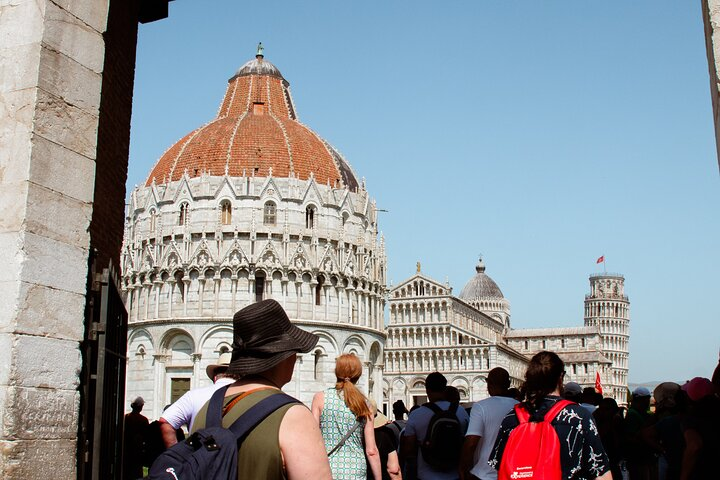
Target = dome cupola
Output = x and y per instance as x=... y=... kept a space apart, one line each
x=256 y=133
x=481 y=286
x=483 y=293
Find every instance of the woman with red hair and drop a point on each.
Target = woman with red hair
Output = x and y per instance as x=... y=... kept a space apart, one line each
x=346 y=420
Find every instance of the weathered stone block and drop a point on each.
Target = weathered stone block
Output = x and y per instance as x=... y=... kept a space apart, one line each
x=13 y=198
x=9 y=292
x=57 y=168
x=20 y=66
x=54 y=215
x=16 y=107
x=21 y=22
x=3 y=402
x=5 y=359
x=14 y=153
x=43 y=255
x=64 y=78
x=68 y=35
x=49 y=312
x=37 y=459
x=65 y=124
x=11 y=257
x=41 y=413
x=93 y=13
x=45 y=363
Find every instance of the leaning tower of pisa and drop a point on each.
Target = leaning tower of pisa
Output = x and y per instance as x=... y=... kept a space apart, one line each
x=608 y=308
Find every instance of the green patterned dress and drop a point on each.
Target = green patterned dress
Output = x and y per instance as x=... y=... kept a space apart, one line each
x=336 y=419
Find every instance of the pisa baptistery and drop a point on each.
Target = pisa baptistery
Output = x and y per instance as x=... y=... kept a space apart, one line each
x=250 y=206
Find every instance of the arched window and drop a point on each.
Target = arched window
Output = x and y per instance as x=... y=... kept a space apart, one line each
x=310 y=217
x=318 y=290
x=259 y=287
x=562 y=343
x=152 y=222
x=269 y=214
x=345 y=217
x=184 y=214
x=317 y=365
x=526 y=345
x=226 y=215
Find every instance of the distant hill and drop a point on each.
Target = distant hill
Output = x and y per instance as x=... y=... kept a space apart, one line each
x=652 y=384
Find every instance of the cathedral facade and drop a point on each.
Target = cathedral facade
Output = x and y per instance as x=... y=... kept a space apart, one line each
x=252 y=205
x=465 y=337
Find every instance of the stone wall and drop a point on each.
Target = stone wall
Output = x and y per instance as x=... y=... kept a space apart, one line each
x=711 y=18
x=113 y=144
x=51 y=57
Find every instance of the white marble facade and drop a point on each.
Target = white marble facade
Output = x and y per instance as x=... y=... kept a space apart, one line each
x=464 y=337
x=185 y=278
x=432 y=330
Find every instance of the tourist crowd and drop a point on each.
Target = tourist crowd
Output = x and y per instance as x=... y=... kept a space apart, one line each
x=547 y=429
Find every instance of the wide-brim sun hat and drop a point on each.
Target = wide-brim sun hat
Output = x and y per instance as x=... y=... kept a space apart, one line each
x=220 y=367
x=379 y=419
x=263 y=336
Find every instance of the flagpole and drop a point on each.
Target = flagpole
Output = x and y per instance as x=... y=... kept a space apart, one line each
x=604 y=265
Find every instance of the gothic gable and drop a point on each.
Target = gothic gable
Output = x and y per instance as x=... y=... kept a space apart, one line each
x=419 y=285
x=235 y=256
x=312 y=194
x=269 y=257
x=300 y=260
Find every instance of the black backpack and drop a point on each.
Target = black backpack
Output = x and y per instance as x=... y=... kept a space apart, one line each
x=443 y=441
x=211 y=452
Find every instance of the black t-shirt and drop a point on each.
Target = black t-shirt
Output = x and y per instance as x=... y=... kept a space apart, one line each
x=386 y=443
x=582 y=456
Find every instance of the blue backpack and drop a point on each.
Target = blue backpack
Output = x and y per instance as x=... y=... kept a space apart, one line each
x=211 y=452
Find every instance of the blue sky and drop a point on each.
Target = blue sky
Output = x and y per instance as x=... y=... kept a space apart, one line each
x=540 y=134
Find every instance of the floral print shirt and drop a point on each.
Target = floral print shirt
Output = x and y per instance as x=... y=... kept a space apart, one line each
x=582 y=456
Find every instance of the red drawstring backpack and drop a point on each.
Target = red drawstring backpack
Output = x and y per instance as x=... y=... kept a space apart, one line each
x=533 y=448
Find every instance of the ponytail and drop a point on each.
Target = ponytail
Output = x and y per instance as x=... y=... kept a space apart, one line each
x=348 y=371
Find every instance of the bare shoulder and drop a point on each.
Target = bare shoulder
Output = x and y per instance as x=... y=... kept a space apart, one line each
x=296 y=415
x=302 y=445
x=319 y=398
x=318 y=402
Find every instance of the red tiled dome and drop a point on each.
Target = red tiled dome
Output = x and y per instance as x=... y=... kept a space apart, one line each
x=256 y=129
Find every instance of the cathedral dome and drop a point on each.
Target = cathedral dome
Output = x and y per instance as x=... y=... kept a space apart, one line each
x=256 y=133
x=481 y=286
x=258 y=66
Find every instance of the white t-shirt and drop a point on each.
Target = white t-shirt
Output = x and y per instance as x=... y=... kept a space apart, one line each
x=485 y=419
x=184 y=410
x=417 y=424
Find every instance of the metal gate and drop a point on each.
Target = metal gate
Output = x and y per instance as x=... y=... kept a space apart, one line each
x=102 y=379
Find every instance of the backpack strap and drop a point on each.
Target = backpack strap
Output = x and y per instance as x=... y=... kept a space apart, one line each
x=555 y=409
x=521 y=413
x=259 y=412
x=213 y=417
x=432 y=407
x=248 y=420
x=347 y=435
